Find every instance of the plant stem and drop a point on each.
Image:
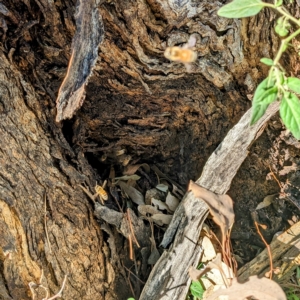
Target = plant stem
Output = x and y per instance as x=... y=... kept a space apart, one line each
x=294 y=34
x=282 y=11
x=284 y=44
x=286 y=14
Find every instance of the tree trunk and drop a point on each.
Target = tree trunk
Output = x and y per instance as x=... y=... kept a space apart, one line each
x=136 y=101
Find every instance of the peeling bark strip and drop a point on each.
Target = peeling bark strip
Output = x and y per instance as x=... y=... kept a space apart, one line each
x=89 y=34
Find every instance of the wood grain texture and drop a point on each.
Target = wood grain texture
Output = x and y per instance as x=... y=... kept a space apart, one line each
x=169 y=278
x=28 y=172
x=84 y=54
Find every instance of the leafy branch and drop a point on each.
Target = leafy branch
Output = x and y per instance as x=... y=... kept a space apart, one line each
x=277 y=86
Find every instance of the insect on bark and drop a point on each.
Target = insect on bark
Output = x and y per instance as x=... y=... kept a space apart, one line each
x=184 y=54
x=101 y=192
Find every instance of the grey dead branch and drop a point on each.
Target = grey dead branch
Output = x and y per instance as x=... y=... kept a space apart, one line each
x=169 y=278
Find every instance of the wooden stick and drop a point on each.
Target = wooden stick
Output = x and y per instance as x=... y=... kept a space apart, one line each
x=169 y=278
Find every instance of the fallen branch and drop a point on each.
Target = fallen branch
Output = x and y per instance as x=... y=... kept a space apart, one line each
x=169 y=278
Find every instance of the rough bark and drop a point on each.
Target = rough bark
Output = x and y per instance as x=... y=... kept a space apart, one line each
x=33 y=171
x=136 y=100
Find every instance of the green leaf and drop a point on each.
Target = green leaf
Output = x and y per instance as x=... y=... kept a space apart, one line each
x=278 y=2
x=282 y=26
x=267 y=61
x=265 y=94
x=293 y=84
x=241 y=8
x=290 y=113
x=257 y=112
x=281 y=31
x=298 y=273
x=196 y=289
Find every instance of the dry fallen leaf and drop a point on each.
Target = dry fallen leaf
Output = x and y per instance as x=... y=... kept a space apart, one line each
x=133 y=193
x=220 y=206
x=128 y=177
x=224 y=273
x=154 y=193
x=162 y=187
x=154 y=257
x=209 y=251
x=172 y=202
x=176 y=190
x=162 y=219
x=159 y=204
x=258 y=288
x=266 y=202
x=145 y=210
x=131 y=169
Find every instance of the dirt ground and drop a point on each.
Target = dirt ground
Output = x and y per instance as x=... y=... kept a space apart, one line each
x=272 y=161
x=270 y=170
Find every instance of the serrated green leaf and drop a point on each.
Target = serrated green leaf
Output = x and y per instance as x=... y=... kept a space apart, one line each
x=196 y=289
x=241 y=8
x=266 y=92
x=290 y=114
x=260 y=105
x=257 y=112
x=267 y=61
x=293 y=84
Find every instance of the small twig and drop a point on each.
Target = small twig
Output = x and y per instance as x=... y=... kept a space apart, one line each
x=130 y=247
x=130 y=285
x=59 y=294
x=115 y=196
x=131 y=228
x=92 y=197
x=278 y=182
x=268 y=247
x=45 y=221
x=296 y=286
x=225 y=256
x=134 y=275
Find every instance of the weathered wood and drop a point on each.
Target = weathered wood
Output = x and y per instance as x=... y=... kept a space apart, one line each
x=285 y=250
x=136 y=100
x=169 y=278
x=28 y=174
x=89 y=33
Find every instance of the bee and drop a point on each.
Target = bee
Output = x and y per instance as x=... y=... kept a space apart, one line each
x=100 y=191
x=184 y=54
